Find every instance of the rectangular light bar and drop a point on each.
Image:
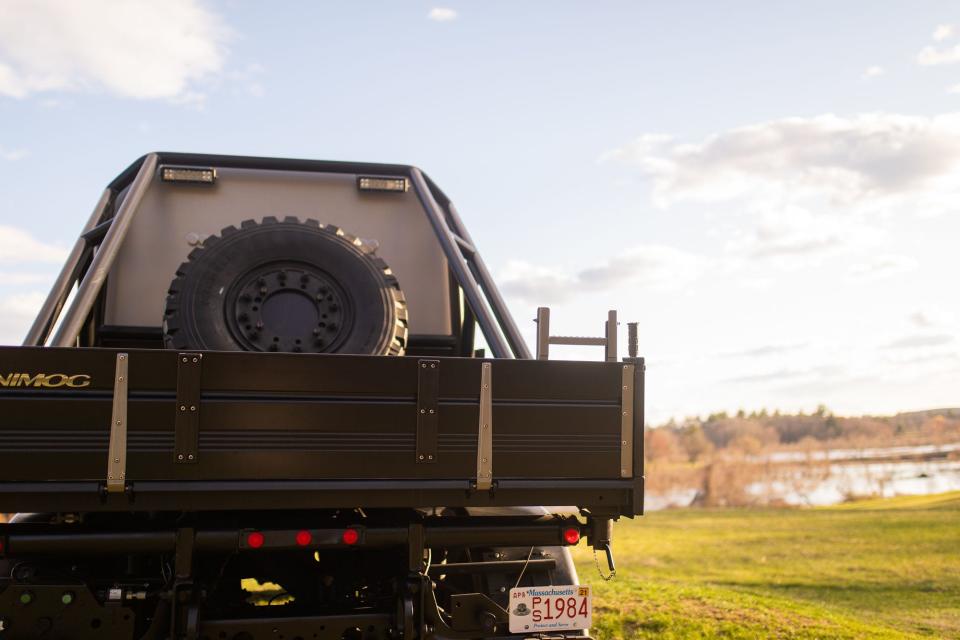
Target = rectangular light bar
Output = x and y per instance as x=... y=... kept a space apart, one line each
x=382 y=183
x=196 y=175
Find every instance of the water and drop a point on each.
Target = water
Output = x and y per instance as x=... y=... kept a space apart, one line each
x=820 y=478
x=674 y=498
x=837 y=483
x=869 y=453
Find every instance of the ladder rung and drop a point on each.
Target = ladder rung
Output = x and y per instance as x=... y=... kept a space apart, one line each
x=577 y=340
x=464 y=245
x=95 y=235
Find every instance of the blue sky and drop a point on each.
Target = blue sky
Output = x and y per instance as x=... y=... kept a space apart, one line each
x=770 y=189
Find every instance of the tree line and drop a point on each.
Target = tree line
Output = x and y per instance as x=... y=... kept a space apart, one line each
x=695 y=439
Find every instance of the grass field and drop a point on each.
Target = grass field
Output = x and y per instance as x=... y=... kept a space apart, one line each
x=874 y=569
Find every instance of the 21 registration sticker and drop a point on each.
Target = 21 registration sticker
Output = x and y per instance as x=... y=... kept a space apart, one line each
x=550 y=608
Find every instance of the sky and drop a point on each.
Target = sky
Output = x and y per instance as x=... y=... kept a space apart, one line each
x=771 y=190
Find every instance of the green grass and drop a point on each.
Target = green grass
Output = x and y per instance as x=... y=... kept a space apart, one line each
x=949 y=500
x=877 y=569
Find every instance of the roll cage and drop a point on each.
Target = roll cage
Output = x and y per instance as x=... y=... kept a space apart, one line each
x=94 y=253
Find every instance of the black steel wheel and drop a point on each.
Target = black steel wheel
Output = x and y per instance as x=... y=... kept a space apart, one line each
x=287 y=286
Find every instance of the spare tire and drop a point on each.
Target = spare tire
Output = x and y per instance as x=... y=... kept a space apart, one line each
x=285 y=286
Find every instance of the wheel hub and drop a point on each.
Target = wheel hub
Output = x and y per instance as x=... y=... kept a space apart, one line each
x=292 y=309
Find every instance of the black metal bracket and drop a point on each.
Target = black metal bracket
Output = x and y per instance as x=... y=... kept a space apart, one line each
x=416 y=544
x=183 y=557
x=187 y=421
x=36 y=609
x=428 y=397
x=182 y=610
x=476 y=611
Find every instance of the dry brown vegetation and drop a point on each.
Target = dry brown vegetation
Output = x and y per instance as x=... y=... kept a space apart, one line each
x=721 y=455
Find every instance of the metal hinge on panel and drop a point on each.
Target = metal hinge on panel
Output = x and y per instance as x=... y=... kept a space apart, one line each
x=626 y=422
x=544 y=339
x=187 y=421
x=485 y=435
x=117 y=452
x=428 y=396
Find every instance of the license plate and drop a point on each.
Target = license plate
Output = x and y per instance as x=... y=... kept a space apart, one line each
x=552 y=608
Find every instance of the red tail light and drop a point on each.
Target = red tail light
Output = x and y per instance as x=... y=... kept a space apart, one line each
x=350 y=536
x=571 y=535
x=304 y=538
x=255 y=540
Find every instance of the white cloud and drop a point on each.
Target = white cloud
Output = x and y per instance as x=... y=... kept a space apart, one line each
x=12 y=154
x=648 y=266
x=932 y=56
x=764 y=350
x=808 y=375
x=792 y=234
x=874 y=71
x=799 y=189
x=827 y=160
x=943 y=32
x=920 y=341
x=133 y=48
x=536 y=284
x=931 y=317
x=23 y=304
x=442 y=14
x=921 y=319
x=16 y=313
x=881 y=267
x=19 y=247
x=16 y=278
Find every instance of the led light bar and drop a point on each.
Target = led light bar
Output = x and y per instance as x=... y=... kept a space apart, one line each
x=382 y=183
x=196 y=175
